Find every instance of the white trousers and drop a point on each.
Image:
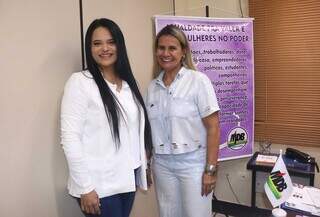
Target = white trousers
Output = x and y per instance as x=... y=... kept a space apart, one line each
x=178 y=181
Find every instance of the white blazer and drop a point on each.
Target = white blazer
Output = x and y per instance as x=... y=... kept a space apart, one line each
x=94 y=161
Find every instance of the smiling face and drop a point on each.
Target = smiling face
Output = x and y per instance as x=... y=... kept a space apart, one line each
x=103 y=49
x=169 y=53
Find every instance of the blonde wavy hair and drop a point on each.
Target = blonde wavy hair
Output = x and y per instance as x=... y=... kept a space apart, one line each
x=174 y=31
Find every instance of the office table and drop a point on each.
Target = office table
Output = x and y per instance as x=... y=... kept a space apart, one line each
x=294 y=168
x=232 y=209
x=238 y=210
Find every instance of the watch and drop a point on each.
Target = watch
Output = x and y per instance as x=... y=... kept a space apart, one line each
x=210 y=169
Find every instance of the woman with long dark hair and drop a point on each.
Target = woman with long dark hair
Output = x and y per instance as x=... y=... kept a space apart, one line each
x=105 y=132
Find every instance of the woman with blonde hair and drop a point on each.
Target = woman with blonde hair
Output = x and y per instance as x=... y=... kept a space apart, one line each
x=183 y=113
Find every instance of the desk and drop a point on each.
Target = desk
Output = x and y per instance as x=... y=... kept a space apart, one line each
x=294 y=169
x=237 y=210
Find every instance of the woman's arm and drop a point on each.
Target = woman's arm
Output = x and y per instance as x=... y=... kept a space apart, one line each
x=73 y=115
x=213 y=137
x=211 y=124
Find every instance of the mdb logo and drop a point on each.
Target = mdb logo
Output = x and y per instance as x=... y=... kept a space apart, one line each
x=277 y=183
x=237 y=138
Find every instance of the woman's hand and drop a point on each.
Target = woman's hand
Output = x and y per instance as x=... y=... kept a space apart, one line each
x=208 y=183
x=90 y=203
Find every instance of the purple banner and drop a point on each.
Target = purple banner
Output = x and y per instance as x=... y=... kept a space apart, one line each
x=223 y=50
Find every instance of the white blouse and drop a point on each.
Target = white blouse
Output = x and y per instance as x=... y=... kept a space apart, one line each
x=130 y=111
x=93 y=159
x=176 y=112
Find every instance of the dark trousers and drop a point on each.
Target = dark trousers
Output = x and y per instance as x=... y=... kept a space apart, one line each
x=118 y=205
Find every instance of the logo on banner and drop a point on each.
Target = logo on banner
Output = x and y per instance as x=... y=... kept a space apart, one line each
x=237 y=138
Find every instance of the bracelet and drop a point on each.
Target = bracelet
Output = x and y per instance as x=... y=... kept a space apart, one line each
x=210 y=169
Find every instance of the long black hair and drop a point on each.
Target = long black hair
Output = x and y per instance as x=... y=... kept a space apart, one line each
x=123 y=70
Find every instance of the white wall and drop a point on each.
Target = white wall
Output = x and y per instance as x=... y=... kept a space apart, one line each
x=39 y=49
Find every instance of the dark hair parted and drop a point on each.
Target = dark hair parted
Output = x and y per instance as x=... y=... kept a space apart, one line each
x=123 y=70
